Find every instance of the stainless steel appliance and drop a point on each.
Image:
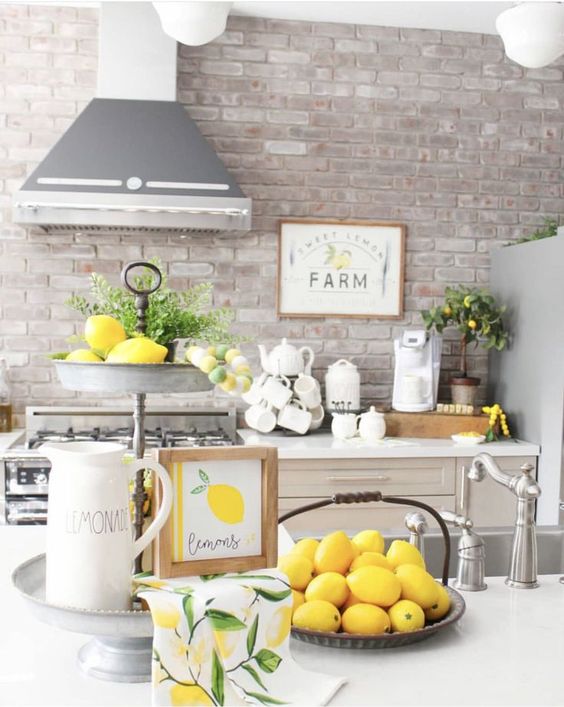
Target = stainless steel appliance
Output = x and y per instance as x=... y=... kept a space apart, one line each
x=24 y=471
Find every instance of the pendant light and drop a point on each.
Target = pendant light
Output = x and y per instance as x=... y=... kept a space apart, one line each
x=193 y=23
x=533 y=33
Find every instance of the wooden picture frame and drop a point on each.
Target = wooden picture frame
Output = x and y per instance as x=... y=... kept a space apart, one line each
x=340 y=268
x=222 y=527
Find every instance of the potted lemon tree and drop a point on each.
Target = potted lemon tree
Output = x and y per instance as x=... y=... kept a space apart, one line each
x=478 y=318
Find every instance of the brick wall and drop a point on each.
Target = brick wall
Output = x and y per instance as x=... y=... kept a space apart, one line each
x=433 y=129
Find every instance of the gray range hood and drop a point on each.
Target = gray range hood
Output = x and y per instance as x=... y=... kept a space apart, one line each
x=133 y=160
x=132 y=165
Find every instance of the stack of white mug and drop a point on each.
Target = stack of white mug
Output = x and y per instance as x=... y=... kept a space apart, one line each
x=294 y=404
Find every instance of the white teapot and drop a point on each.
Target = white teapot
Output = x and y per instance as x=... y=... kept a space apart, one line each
x=286 y=360
x=371 y=425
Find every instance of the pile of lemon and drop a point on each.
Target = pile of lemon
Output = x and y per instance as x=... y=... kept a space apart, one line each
x=347 y=584
x=108 y=342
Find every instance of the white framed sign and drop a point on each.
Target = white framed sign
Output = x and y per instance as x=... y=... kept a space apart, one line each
x=341 y=269
x=224 y=513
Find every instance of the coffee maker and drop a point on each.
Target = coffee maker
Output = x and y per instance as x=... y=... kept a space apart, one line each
x=416 y=376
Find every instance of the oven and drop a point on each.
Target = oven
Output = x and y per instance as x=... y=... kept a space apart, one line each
x=24 y=471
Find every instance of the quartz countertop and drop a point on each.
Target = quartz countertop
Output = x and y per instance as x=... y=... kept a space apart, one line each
x=506 y=650
x=322 y=445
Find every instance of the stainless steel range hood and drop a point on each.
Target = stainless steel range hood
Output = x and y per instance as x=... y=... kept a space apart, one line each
x=132 y=165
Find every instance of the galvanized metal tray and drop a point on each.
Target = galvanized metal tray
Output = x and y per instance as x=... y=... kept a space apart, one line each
x=384 y=640
x=135 y=378
x=121 y=649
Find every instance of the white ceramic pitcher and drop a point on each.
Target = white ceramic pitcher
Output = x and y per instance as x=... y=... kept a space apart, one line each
x=90 y=545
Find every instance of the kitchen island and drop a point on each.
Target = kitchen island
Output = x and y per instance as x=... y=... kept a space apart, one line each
x=506 y=650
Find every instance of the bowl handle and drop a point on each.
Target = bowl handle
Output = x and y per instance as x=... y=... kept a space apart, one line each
x=377 y=496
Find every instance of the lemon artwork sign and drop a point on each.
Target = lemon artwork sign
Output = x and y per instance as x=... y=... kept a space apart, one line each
x=340 y=268
x=224 y=514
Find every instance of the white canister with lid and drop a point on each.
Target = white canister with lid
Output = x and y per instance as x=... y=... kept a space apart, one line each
x=342 y=385
x=371 y=425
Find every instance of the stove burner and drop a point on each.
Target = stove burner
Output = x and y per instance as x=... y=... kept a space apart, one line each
x=124 y=435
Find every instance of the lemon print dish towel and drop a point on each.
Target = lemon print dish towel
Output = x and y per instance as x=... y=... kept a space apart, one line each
x=224 y=640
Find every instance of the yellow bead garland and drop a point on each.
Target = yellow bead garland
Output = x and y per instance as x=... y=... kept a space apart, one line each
x=235 y=381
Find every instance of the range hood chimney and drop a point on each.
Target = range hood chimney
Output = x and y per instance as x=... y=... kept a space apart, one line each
x=133 y=160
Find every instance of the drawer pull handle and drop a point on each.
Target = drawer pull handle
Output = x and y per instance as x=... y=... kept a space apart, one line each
x=374 y=477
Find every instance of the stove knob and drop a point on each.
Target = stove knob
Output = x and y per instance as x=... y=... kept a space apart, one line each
x=41 y=479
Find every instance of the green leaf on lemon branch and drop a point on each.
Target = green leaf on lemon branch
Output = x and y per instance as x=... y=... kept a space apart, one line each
x=254 y=675
x=217 y=679
x=270 y=595
x=267 y=660
x=223 y=621
x=252 y=636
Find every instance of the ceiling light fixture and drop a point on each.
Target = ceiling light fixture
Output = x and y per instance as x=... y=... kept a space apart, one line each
x=533 y=33
x=193 y=23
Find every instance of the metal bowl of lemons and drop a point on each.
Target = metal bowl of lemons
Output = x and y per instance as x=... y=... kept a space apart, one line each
x=386 y=639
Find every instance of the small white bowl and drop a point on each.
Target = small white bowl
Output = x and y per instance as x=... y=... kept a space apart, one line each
x=463 y=439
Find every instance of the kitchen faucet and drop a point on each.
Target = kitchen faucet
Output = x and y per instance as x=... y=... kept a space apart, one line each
x=523 y=561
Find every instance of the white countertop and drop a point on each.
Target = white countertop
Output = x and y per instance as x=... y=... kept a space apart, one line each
x=506 y=650
x=322 y=445
x=7 y=439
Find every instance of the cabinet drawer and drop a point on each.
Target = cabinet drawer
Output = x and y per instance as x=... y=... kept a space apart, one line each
x=403 y=477
x=356 y=516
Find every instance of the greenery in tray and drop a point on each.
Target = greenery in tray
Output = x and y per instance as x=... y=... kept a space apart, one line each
x=549 y=230
x=474 y=313
x=170 y=315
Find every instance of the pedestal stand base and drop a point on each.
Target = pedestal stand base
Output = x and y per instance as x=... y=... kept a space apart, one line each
x=117 y=659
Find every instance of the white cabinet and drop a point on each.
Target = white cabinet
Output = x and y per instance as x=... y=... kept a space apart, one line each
x=441 y=482
x=303 y=481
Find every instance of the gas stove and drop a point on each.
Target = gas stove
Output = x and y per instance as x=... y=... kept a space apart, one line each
x=24 y=471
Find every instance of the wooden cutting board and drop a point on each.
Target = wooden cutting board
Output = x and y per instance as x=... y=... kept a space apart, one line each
x=433 y=424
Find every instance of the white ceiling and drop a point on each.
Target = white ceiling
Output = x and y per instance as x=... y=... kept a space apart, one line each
x=457 y=15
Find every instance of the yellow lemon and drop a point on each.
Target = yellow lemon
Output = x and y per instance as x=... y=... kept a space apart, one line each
x=369 y=541
x=226 y=642
x=166 y=615
x=298 y=599
x=365 y=618
x=137 y=350
x=330 y=586
x=417 y=585
x=84 y=355
x=401 y=552
x=298 y=568
x=467 y=301
x=440 y=607
x=317 y=615
x=351 y=601
x=211 y=350
x=181 y=695
x=103 y=332
x=279 y=626
x=226 y=503
x=472 y=324
x=334 y=553
x=306 y=547
x=371 y=558
x=375 y=585
x=406 y=616
x=447 y=311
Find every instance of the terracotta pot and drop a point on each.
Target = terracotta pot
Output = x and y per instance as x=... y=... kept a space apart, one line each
x=463 y=390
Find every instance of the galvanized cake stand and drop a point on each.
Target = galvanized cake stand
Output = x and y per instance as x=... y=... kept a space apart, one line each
x=122 y=645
